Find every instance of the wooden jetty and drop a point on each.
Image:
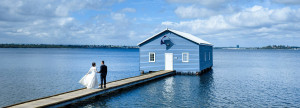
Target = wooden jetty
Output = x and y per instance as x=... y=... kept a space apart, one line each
x=66 y=98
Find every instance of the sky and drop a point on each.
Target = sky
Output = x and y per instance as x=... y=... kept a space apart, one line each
x=224 y=23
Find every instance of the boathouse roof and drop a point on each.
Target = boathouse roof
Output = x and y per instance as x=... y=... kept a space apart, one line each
x=182 y=34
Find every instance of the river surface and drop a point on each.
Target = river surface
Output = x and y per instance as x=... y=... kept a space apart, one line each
x=240 y=78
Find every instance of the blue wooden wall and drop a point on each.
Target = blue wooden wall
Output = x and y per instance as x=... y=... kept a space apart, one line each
x=180 y=45
x=206 y=56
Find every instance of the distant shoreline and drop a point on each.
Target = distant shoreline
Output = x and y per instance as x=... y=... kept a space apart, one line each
x=63 y=46
x=253 y=48
x=130 y=47
x=265 y=47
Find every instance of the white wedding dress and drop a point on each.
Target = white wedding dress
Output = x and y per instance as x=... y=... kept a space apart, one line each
x=90 y=79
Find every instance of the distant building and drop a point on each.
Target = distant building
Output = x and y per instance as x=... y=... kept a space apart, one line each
x=175 y=50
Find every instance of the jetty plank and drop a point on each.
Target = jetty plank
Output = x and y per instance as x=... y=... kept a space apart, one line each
x=81 y=94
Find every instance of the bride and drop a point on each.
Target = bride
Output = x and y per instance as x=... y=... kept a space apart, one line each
x=90 y=79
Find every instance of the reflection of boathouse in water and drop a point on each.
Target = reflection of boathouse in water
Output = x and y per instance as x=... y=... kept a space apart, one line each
x=175 y=50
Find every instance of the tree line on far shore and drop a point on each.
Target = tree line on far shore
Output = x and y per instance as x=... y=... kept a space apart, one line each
x=124 y=46
x=279 y=47
x=265 y=47
x=62 y=46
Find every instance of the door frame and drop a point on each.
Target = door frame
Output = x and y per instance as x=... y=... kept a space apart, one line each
x=171 y=59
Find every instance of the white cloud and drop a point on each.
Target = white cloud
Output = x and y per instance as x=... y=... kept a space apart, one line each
x=289 y=2
x=62 y=11
x=118 y=16
x=196 y=11
x=258 y=16
x=168 y=23
x=255 y=16
x=132 y=10
x=193 y=12
x=256 y=21
x=71 y=22
x=63 y=21
x=35 y=21
x=209 y=3
x=198 y=26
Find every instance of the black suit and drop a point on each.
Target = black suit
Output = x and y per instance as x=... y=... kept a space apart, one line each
x=103 y=71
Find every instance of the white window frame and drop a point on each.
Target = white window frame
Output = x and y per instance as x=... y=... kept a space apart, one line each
x=187 y=55
x=150 y=56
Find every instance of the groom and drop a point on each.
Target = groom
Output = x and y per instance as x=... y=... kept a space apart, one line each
x=103 y=71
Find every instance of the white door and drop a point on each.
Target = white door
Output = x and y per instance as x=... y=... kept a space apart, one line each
x=168 y=61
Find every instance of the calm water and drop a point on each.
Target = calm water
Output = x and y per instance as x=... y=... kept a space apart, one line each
x=240 y=78
x=33 y=73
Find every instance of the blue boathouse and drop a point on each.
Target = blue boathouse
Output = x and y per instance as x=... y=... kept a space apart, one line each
x=175 y=50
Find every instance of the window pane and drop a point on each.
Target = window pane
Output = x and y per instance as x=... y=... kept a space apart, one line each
x=185 y=57
x=152 y=57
